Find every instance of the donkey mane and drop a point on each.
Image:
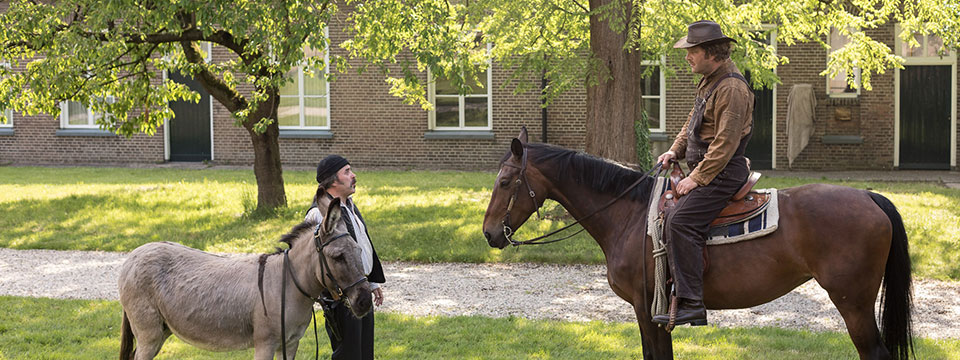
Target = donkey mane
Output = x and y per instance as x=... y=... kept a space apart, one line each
x=296 y=231
x=596 y=173
x=287 y=238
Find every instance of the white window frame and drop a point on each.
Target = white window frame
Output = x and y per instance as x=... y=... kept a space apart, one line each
x=923 y=58
x=7 y=112
x=208 y=49
x=856 y=75
x=9 y=115
x=301 y=96
x=432 y=97
x=662 y=96
x=91 y=116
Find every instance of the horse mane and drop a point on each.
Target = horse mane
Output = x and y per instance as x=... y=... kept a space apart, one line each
x=599 y=174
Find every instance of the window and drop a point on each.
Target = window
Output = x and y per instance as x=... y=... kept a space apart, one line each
x=838 y=86
x=654 y=87
x=931 y=46
x=453 y=111
x=74 y=115
x=8 y=118
x=305 y=102
x=207 y=48
x=7 y=122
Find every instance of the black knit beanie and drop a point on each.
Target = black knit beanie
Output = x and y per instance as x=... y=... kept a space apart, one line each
x=330 y=165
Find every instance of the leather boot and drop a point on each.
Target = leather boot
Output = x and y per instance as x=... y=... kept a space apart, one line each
x=688 y=312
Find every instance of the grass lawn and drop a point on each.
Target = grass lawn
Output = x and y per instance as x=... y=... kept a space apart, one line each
x=413 y=215
x=81 y=329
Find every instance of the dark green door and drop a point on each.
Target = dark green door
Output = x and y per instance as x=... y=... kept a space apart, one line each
x=925 y=117
x=759 y=149
x=190 y=129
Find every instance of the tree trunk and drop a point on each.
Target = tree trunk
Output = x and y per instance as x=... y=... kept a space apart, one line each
x=266 y=160
x=613 y=92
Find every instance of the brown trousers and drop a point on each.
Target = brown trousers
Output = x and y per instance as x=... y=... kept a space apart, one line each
x=689 y=222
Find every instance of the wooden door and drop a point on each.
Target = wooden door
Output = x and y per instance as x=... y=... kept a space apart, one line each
x=925 y=117
x=190 y=129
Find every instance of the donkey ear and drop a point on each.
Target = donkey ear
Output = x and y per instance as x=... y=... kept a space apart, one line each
x=516 y=147
x=523 y=134
x=333 y=216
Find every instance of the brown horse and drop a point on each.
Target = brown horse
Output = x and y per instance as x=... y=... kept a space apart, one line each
x=851 y=241
x=215 y=302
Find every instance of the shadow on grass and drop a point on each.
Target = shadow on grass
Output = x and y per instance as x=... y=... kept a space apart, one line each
x=454 y=233
x=122 y=222
x=125 y=219
x=79 y=329
x=101 y=175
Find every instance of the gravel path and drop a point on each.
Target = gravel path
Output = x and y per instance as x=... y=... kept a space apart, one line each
x=562 y=292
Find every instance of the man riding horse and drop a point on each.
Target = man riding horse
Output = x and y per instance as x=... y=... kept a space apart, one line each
x=713 y=142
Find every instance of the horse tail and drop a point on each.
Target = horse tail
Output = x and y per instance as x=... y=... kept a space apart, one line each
x=126 y=339
x=896 y=298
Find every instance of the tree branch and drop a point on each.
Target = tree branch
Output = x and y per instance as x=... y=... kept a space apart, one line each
x=226 y=95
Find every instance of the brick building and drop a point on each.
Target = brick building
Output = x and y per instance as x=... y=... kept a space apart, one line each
x=908 y=120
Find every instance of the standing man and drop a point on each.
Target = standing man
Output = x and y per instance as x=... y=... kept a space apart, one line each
x=337 y=180
x=712 y=141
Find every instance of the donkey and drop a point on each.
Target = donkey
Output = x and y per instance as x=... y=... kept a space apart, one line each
x=214 y=302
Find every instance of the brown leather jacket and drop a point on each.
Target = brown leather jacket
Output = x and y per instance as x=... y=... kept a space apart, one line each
x=727 y=119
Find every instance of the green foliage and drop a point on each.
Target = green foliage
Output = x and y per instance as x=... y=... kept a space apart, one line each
x=553 y=36
x=645 y=159
x=413 y=216
x=664 y=21
x=36 y=328
x=109 y=55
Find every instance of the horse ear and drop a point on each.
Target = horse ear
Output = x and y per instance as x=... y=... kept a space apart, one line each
x=517 y=148
x=523 y=134
x=333 y=216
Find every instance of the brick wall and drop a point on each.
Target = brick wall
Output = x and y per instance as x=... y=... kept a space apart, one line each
x=35 y=141
x=373 y=128
x=871 y=114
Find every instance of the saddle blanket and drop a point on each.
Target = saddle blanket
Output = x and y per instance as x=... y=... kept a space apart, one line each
x=762 y=223
x=759 y=224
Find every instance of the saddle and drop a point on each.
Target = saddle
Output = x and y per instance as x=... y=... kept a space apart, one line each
x=744 y=204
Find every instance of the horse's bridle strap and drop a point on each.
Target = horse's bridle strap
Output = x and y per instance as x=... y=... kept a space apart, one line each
x=508 y=232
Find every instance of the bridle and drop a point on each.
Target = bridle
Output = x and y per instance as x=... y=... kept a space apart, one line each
x=325 y=270
x=522 y=178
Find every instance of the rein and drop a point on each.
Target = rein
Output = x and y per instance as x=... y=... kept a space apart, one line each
x=325 y=270
x=522 y=178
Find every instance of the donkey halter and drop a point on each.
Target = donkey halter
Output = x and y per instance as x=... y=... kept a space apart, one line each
x=325 y=268
x=522 y=178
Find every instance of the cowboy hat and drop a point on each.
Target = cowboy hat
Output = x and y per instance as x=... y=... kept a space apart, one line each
x=701 y=32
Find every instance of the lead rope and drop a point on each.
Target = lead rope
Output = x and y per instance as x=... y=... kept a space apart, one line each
x=283 y=307
x=655 y=230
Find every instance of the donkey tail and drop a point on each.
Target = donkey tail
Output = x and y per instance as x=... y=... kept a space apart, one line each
x=896 y=298
x=126 y=339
